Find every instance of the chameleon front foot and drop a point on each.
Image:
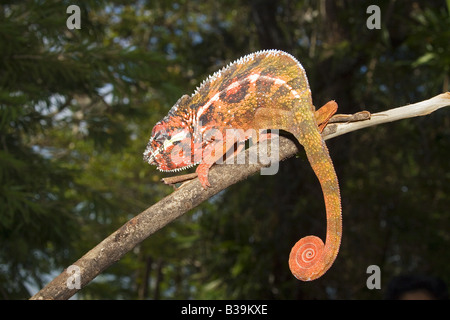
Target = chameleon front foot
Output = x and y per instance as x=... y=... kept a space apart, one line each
x=202 y=172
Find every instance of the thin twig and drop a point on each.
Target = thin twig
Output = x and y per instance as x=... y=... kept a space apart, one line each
x=422 y=108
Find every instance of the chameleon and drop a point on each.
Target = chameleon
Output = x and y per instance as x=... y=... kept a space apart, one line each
x=267 y=89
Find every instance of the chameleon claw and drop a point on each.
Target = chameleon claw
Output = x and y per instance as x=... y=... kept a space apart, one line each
x=205 y=183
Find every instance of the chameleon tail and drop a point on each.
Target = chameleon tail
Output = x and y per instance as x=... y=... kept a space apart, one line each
x=310 y=258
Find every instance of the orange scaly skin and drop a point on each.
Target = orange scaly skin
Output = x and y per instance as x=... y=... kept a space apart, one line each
x=264 y=90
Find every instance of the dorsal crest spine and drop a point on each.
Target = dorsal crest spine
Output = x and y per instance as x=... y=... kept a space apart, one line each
x=243 y=60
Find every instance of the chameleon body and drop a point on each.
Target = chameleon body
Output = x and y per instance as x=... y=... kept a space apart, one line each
x=263 y=90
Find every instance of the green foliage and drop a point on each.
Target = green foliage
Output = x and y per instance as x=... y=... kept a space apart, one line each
x=77 y=108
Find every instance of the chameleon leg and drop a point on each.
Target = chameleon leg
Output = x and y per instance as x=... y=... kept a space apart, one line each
x=216 y=150
x=324 y=114
x=211 y=154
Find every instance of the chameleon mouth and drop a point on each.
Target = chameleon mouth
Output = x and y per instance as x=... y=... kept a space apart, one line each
x=177 y=169
x=150 y=157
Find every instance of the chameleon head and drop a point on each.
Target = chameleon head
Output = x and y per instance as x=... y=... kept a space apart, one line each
x=170 y=146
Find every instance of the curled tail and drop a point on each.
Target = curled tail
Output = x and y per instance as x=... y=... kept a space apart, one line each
x=310 y=258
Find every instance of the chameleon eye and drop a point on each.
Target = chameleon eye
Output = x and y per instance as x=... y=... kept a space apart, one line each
x=160 y=137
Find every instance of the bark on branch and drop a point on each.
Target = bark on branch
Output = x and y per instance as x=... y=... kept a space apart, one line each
x=191 y=194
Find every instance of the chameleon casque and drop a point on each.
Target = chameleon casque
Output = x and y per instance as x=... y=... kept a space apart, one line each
x=264 y=90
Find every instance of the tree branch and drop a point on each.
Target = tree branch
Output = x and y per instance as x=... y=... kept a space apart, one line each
x=422 y=108
x=191 y=194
